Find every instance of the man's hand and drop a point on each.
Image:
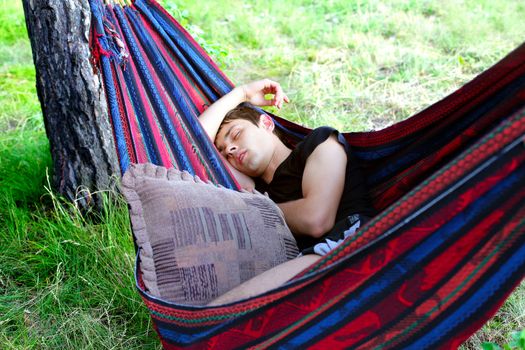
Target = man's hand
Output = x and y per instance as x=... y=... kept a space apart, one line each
x=255 y=92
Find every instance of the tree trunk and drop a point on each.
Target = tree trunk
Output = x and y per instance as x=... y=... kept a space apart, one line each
x=72 y=99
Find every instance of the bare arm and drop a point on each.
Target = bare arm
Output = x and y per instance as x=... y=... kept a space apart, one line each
x=213 y=116
x=267 y=280
x=323 y=183
x=253 y=92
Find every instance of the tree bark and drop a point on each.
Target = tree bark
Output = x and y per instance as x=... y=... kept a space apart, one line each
x=72 y=99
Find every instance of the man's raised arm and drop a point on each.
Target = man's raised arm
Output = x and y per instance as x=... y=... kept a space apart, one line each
x=213 y=116
x=253 y=92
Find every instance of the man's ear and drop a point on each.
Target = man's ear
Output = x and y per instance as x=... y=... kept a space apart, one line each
x=266 y=122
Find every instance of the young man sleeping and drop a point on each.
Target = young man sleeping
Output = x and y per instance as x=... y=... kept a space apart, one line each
x=318 y=185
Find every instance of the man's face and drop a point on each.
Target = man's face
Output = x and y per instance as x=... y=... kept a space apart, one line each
x=247 y=148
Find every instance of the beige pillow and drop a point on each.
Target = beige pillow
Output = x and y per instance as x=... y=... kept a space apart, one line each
x=197 y=240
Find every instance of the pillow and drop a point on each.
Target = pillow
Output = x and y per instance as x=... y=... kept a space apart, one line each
x=198 y=241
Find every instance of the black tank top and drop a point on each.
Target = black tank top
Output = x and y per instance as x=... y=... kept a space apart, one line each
x=286 y=184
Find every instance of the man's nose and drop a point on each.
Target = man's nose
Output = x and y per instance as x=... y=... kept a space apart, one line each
x=232 y=148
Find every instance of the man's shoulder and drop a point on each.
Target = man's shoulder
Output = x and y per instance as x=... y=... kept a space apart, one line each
x=322 y=131
x=318 y=136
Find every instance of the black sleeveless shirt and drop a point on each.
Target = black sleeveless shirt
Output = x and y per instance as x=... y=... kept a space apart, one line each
x=286 y=184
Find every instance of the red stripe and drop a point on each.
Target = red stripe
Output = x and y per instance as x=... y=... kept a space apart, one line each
x=388 y=192
x=161 y=94
x=135 y=134
x=472 y=327
x=432 y=275
x=192 y=314
x=203 y=54
x=184 y=139
x=183 y=76
x=164 y=152
x=123 y=118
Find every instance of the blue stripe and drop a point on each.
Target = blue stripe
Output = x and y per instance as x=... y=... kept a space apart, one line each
x=154 y=95
x=481 y=299
x=191 y=71
x=186 y=339
x=148 y=139
x=111 y=93
x=394 y=274
x=139 y=109
x=166 y=75
x=205 y=69
x=380 y=152
x=177 y=93
x=428 y=146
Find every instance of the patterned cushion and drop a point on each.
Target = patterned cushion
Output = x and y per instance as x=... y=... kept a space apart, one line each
x=198 y=240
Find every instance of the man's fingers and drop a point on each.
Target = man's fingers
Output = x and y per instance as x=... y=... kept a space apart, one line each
x=282 y=98
x=279 y=95
x=266 y=87
x=265 y=102
x=285 y=99
x=278 y=98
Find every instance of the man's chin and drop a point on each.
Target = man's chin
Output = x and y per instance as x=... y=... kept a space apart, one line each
x=249 y=172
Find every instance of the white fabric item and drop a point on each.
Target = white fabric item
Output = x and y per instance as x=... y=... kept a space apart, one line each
x=327 y=245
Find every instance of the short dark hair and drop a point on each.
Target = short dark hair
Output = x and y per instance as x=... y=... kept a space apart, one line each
x=246 y=112
x=242 y=112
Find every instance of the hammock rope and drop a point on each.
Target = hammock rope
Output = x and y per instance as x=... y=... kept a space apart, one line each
x=443 y=254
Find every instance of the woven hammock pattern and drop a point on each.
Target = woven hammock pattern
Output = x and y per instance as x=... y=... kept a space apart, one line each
x=443 y=254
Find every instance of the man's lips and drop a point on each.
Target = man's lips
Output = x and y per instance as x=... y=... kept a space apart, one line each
x=241 y=156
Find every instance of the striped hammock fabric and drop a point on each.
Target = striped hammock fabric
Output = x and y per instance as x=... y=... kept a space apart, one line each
x=443 y=254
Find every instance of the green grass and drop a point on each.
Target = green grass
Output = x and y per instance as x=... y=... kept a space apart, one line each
x=66 y=280
x=359 y=64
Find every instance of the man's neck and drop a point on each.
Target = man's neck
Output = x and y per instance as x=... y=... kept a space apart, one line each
x=281 y=153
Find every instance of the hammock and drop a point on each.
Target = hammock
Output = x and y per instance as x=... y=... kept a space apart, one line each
x=443 y=254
